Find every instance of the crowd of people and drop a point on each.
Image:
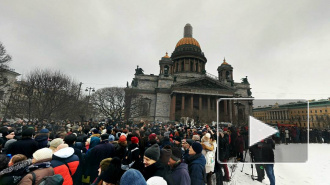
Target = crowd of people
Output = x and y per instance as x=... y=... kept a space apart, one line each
x=115 y=153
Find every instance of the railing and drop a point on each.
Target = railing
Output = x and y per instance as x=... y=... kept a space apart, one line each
x=211 y=76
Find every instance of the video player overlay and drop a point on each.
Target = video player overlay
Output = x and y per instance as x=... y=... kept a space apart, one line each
x=262 y=131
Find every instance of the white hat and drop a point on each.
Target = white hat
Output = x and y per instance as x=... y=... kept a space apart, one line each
x=208 y=135
x=41 y=154
x=156 y=180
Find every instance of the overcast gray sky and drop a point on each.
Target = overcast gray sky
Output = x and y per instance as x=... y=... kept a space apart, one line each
x=282 y=46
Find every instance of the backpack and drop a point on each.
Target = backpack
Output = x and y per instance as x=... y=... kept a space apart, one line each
x=49 y=180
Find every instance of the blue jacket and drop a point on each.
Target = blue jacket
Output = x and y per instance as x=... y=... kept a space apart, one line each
x=180 y=175
x=197 y=170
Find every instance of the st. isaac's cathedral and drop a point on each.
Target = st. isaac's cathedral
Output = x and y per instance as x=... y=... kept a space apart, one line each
x=183 y=88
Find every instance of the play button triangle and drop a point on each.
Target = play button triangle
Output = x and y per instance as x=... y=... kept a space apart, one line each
x=259 y=131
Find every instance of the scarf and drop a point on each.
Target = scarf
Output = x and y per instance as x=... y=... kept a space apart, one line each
x=194 y=157
x=18 y=166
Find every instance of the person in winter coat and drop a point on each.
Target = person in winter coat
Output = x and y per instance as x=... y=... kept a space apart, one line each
x=209 y=148
x=13 y=174
x=65 y=163
x=196 y=164
x=97 y=154
x=153 y=166
x=40 y=167
x=132 y=157
x=70 y=140
x=179 y=170
x=111 y=175
x=55 y=143
x=26 y=146
x=121 y=148
x=42 y=138
x=239 y=145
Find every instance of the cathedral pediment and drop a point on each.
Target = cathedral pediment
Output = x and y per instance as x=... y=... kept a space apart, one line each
x=203 y=83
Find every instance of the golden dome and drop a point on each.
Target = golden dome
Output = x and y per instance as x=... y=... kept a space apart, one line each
x=224 y=62
x=187 y=40
x=166 y=56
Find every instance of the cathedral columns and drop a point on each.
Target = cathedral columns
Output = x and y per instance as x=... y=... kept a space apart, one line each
x=208 y=104
x=182 y=105
x=173 y=102
x=192 y=104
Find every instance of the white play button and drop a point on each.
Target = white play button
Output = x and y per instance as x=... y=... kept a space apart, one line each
x=259 y=131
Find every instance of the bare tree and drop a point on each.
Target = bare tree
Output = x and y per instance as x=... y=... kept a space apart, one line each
x=4 y=60
x=44 y=94
x=110 y=102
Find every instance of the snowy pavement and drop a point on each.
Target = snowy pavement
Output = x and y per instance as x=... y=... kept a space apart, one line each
x=316 y=171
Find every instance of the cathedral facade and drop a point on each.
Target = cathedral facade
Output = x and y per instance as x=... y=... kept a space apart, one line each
x=184 y=88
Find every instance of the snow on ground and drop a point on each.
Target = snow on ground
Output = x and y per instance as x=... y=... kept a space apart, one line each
x=316 y=171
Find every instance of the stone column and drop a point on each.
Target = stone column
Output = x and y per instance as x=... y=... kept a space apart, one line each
x=173 y=103
x=200 y=104
x=208 y=105
x=192 y=104
x=182 y=105
x=225 y=107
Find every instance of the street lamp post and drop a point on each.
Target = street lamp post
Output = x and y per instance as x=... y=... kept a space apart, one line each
x=89 y=89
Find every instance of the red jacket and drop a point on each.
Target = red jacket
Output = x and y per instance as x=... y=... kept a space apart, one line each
x=65 y=163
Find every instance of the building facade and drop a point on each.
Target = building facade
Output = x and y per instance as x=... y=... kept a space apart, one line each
x=296 y=113
x=183 y=88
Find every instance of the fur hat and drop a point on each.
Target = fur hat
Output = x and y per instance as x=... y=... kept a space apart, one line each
x=135 y=140
x=197 y=147
x=42 y=154
x=196 y=138
x=153 y=152
x=132 y=177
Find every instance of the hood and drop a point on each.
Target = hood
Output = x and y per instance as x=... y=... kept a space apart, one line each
x=64 y=152
x=183 y=166
x=40 y=138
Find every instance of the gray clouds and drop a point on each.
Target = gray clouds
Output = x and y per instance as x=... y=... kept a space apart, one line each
x=280 y=45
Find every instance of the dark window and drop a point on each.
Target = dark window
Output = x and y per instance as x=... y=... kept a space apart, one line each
x=315 y=111
x=320 y=111
x=326 y=110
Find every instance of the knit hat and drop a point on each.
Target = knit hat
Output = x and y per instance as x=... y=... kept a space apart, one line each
x=152 y=136
x=153 y=152
x=132 y=177
x=41 y=154
x=165 y=155
x=104 y=164
x=44 y=131
x=190 y=141
x=208 y=135
x=156 y=180
x=54 y=144
x=111 y=138
x=176 y=153
x=135 y=140
x=122 y=138
x=28 y=132
x=197 y=147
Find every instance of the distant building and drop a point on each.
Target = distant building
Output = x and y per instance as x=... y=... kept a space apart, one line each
x=7 y=81
x=183 y=88
x=296 y=113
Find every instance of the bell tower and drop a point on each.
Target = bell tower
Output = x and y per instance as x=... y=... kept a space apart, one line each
x=225 y=72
